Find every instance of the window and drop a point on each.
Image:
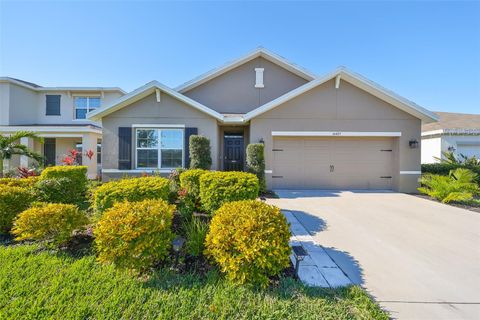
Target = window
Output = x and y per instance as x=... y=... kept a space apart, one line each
x=99 y=151
x=159 y=148
x=52 y=105
x=84 y=105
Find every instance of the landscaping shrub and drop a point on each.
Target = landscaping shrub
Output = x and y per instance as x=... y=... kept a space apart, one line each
x=135 y=234
x=459 y=185
x=190 y=181
x=19 y=182
x=445 y=168
x=13 y=200
x=76 y=185
x=218 y=187
x=195 y=233
x=249 y=240
x=56 y=190
x=199 y=149
x=53 y=222
x=256 y=163
x=130 y=189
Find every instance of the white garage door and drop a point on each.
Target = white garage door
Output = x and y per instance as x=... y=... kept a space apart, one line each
x=469 y=150
x=332 y=163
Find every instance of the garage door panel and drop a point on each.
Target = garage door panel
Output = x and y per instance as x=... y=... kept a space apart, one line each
x=358 y=163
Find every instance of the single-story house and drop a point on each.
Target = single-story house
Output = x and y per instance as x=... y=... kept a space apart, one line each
x=454 y=132
x=338 y=131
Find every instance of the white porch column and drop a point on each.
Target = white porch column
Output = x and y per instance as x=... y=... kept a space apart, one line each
x=26 y=161
x=89 y=142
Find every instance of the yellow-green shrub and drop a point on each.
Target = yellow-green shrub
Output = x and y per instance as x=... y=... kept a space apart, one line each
x=13 y=200
x=135 y=234
x=217 y=188
x=190 y=181
x=131 y=189
x=74 y=181
x=19 y=182
x=249 y=240
x=53 y=222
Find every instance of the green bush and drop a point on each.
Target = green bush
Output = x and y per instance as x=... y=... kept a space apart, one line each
x=77 y=184
x=249 y=240
x=19 y=182
x=55 y=190
x=195 y=233
x=459 y=185
x=134 y=235
x=13 y=200
x=190 y=181
x=256 y=163
x=199 y=149
x=444 y=169
x=218 y=187
x=53 y=222
x=130 y=189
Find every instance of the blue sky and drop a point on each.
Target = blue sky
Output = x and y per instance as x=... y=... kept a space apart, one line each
x=428 y=52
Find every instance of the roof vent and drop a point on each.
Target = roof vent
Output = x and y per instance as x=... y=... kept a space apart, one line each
x=259 y=78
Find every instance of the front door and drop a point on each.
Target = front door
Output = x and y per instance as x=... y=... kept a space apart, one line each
x=233 y=153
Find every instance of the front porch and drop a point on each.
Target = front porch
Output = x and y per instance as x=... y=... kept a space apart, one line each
x=58 y=142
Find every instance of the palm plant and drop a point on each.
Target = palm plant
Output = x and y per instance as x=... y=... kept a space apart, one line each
x=450 y=158
x=458 y=186
x=9 y=147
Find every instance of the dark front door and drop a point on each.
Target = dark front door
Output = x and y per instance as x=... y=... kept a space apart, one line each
x=233 y=153
x=49 y=151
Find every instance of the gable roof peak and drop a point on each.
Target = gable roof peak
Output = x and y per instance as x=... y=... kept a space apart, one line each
x=258 y=52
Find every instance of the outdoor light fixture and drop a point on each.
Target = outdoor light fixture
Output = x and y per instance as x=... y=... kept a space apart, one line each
x=177 y=244
x=261 y=141
x=413 y=144
x=299 y=253
x=451 y=149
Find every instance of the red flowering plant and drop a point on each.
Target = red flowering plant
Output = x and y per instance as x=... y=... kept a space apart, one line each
x=26 y=172
x=71 y=159
x=89 y=154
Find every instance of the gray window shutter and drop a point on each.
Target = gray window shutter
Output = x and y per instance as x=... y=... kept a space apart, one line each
x=124 y=148
x=188 y=133
x=53 y=105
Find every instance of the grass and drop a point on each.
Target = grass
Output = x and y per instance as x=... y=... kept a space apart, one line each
x=43 y=284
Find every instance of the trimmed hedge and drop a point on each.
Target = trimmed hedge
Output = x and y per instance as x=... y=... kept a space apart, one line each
x=13 y=200
x=130 y=189
x=249 y=240
x=256 y=163
x=19 y=182
x=444 y=169
x=199 y=149
x=77 y=184
x=134 y=235
x=53 y=222
x=218 y=187
x=190 y=181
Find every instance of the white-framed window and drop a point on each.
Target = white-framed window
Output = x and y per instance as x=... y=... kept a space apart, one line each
x=82 y=105
x=159 y=148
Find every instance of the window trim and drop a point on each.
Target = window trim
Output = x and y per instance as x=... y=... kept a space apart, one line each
x=159 y=147
x=88 y=97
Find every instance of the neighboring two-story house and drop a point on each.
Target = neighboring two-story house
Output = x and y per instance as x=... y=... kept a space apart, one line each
x=338 y=131
x=58 y=114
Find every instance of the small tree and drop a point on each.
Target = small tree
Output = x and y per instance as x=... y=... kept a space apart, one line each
x=200 y=157
x=9 y=147
x=256 y=163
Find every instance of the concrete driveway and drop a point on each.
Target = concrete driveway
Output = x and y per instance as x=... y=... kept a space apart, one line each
x=419 y=259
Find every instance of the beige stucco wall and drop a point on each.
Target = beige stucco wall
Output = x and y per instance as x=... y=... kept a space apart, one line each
x=235 y=92
x=345 y=109
x=23 y=106
x=169 y=111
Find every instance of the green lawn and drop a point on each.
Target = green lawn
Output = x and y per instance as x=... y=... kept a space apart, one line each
x=40 y=284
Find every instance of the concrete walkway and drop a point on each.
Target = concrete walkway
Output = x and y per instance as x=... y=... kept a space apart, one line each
x=317 y=269
x=419 y=259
